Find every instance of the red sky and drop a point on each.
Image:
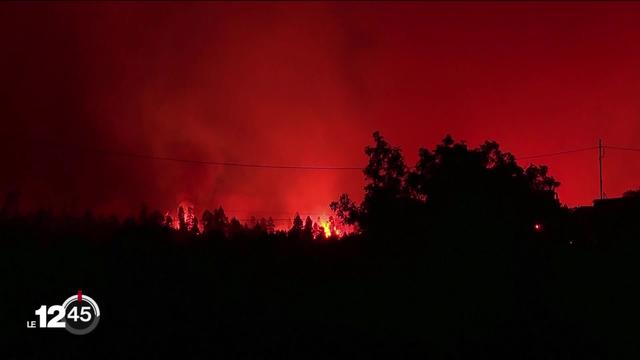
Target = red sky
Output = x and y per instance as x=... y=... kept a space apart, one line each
x=305 y=83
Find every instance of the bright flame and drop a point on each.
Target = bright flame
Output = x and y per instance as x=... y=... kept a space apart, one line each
x=189 y=215
x=326 y=226
x=330 y=227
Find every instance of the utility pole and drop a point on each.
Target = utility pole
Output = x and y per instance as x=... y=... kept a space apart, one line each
x=600 y=156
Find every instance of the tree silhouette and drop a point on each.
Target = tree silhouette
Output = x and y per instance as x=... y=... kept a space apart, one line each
x=168 y=221
x=316 y=229
x=182 y=222
x=480 y=185
x=296 y=228
x=271 y=226
x=216 y=222
x=385 y=191
x=235 y=228
x=195 y=228
x=207 y=221
x=307 y=230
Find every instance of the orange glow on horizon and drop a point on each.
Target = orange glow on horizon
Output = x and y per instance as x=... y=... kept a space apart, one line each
x=329 y=226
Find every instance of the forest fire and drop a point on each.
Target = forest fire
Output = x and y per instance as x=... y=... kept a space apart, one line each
x=186 y=219
x=329 y=227
x=326 y=226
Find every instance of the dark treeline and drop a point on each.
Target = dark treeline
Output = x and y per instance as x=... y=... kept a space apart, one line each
x=464 y=255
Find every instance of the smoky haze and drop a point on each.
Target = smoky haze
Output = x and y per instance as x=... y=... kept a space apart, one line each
x=301 y=84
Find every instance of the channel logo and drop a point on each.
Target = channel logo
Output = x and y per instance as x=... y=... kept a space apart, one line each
x=79 y=314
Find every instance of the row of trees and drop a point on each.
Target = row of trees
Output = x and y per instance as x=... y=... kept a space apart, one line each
x=217 y=223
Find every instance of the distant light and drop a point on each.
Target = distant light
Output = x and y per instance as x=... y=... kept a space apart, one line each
x=537 y=227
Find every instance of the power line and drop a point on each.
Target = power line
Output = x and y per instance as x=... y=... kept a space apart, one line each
x=622 y=148
x=303 y=167
x=557 y=153
x=227 y=163
x=152 y=157
x=312 y=167
x=198 y=162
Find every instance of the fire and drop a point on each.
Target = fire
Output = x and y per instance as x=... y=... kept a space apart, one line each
x=170 y=221
x=326 y=226
x=188 y=216
x=329 y=226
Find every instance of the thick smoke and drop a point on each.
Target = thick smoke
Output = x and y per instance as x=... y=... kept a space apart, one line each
x=300 y=84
